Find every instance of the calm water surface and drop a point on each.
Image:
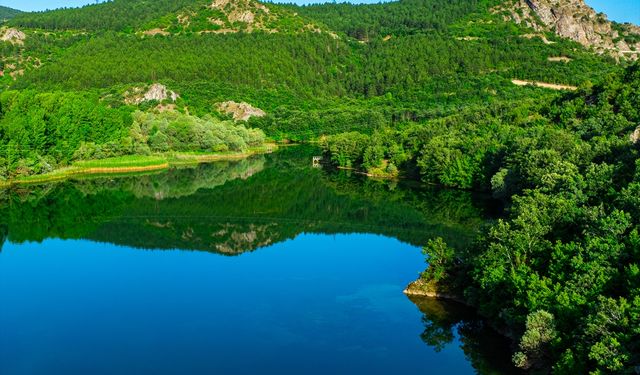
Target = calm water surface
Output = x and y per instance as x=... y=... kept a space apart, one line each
x=263 y=266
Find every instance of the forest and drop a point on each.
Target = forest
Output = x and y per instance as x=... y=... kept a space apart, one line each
x=420 y=89
x=562 y=269
x=120 y=15
x=310 y=84
x=41 y=132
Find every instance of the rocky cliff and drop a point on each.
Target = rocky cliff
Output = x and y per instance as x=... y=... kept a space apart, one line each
x=575 y=20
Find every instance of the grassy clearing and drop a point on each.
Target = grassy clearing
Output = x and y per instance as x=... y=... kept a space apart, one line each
x=123 y=162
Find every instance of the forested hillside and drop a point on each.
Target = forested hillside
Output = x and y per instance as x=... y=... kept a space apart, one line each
x=366 y=22
x=117 y=15
x=314 y=70
x=7 y=13
x=417 y=59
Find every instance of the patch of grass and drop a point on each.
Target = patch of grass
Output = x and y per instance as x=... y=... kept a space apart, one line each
x=123 y=162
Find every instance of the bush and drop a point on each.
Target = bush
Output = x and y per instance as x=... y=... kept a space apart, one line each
x=173 y=131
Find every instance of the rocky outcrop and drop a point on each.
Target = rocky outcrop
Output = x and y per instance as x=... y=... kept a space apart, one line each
x=156 y=31
x=239 y=10
x=156 y=92
x=431 y=289
x=635 y=136
x=159 y=92
x=240 y=111
x=13 y=36
x=575 y=20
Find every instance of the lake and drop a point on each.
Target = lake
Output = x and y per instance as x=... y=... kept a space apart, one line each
x=259 y=266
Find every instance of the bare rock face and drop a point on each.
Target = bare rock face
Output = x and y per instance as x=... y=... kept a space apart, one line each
x=13 y=36
x=575 y=20
x=635 y=136
x=159 y=92
x=156 y=31
x=239 y=10
x=240 y=111
x=156 y=92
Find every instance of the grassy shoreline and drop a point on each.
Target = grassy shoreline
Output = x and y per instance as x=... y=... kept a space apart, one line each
x=132 y=164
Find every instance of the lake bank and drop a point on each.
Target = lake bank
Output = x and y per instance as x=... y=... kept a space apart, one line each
x=132 y=164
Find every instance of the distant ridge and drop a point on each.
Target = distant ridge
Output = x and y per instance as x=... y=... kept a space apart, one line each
x=163 y=17
x=8 y=13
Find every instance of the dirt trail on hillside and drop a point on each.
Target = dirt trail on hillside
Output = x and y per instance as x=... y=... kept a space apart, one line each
x=545 y=85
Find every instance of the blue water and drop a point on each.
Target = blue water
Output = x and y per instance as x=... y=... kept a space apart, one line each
x=317 y=304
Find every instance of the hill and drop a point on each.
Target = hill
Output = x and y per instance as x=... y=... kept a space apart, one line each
x=8 y=13
x=314 y=70
x=116 y=15
x=163 y=17
x=230 y=16
x=397 y=48
x=575 y=20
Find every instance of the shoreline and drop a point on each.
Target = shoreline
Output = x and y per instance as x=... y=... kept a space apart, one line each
x=419 y=288
x=422 y=289
x=371 y=175
x=132 y=164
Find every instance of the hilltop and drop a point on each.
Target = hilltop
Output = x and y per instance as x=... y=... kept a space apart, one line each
x=8 y=13
x=165 y=17
x=575 y=20
x=230 y=16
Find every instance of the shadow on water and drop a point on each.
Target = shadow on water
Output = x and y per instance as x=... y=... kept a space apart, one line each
x=487 y=350
x=238 y=206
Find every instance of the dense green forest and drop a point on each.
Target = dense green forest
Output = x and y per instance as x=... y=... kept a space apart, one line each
x=561 y=271
x=40 y=132
x=369 y=21
x=430 y=58
x=120 y=15
x=417 y=88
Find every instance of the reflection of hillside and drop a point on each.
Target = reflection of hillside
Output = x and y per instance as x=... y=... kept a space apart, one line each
x=3 y=235
x=176 y=183
x=76 y=209
x=485 y=349
x=230 y=208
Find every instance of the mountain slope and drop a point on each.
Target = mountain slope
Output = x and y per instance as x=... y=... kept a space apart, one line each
x=419 y=58
x=368 y=21
x=117 y=15
x=573 y=19
x=169 y=16
x=8 y=13
x=230 y=16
